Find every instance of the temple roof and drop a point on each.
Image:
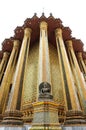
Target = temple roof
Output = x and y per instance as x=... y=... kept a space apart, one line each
x=33 y=23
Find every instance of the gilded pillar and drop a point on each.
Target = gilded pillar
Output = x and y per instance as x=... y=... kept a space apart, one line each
x=73 y=109
x=19 y=74
x=44 y=64
x=13 y=109
x=66 y=72
x=3 y=64
x=80 y=84
x=8 y=76
x=44 y=76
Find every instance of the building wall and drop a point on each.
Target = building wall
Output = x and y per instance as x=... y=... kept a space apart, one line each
x=30 y=79
x=30 y=88
x=55 y=75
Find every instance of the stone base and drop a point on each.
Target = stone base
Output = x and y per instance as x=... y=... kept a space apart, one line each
x=12 y=128
x=12 y=118
x=74 y=128
x=85 y=116
x=61 y=113
x=45 y=116
x=74 y=118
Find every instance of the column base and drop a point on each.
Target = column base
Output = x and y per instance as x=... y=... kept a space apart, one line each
x=12 y=128
x=45 y=116
x=74 y=118
x=12 y=118
x=74 y=128
x=61 y=114
x=85 y=116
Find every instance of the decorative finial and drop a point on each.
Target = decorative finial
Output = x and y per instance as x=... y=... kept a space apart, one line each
x=43 y=14
x=50 y=14
x=35 y=14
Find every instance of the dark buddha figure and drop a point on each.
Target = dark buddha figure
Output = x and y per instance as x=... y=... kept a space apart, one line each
x=45 y=90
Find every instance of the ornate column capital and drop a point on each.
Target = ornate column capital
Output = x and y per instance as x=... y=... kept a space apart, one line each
x=79 y=55
x=69 y=44
x=81 y=63
x=43 y=25
x=6 y=55
x=16 y=43
x=85 y=61
x=58 y=32
x=27 y=32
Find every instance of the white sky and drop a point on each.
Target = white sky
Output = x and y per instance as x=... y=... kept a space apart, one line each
x=14 y=12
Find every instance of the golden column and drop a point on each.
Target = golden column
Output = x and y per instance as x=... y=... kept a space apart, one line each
x=70 y=96
x=13 y=109
x=80 y=84
x=19 y=74
x=44 y=64
x=8 y=76
x=3 y=64
x=44 y=75
x=45 y=109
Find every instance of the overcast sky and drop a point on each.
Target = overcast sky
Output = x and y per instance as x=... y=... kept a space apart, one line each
x=14 y=12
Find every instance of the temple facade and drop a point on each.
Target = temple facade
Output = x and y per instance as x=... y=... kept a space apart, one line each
x=42 y=77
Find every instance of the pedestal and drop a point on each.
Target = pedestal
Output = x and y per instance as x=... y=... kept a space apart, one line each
x=12 y=121
x=85 y=116
x=74 y=128
x=74 y=118
x=45 y=116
